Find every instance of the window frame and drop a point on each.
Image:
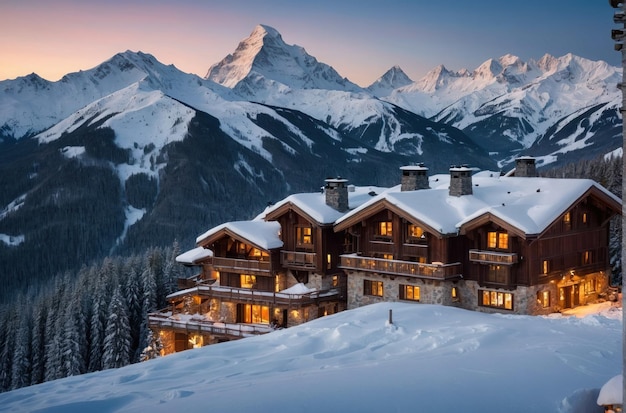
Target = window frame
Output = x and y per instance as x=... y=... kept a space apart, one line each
x=404 y=294
x=495 y=239
x=496 y=299
x=373 y=288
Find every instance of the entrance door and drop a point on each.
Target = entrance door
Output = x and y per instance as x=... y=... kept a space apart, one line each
x=576 y=295
x=285 y=312
x=566 y=296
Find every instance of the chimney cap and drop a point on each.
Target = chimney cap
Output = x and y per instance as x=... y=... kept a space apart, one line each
x=525 y=158
x=418 y=167
x=337 y=180
x=458 y=168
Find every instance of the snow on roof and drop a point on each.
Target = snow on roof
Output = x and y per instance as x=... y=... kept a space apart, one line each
x=314 y=204
x=260 y=233
x=194 y=255
x=298 y=289
x=529 y=204
x=611 y=392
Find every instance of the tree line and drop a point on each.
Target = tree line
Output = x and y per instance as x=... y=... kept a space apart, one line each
x=87 y=321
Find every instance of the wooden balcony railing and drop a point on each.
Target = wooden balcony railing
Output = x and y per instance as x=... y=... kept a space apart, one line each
x=239 y=265
x=404 y=268
x=298 y=260
x=247 y=295
x=197 y=324
x=493 y=257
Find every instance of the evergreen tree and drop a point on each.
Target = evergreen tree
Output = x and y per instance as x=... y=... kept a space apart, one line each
x=22 y=352
x=38 y=338
x=117 y=334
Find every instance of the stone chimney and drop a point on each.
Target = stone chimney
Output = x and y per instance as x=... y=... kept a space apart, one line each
x=336 y=190
x=460 y=180
x=525 y=167
x=414 y=177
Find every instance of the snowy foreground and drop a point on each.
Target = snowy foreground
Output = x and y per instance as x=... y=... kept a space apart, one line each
x=431 y=359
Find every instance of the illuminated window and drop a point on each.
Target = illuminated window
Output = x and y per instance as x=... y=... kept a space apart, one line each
x=409 y=292
x=416 y=232
x=385 y=229
x=567 y=220
x=241 y=248
x=584 y=218
x=545 y=267
x=586 y=258
x=388 y=256
x=257 y=314
x=543 y=298
x=335 y=280
x=373 y=288
x=497 y=240
x=303 y=235
x=496 y=299
x=590 y=286
x=329 y=262
x=454 y=293
x=248 y=281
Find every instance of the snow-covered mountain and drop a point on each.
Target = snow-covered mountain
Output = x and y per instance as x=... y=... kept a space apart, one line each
x=393 y=78
x=265 y=69
x=509 y=106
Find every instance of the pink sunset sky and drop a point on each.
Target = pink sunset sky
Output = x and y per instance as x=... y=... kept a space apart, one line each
x=360 y=39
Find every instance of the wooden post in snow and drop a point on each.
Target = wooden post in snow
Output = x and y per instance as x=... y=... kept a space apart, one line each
x=390 y=317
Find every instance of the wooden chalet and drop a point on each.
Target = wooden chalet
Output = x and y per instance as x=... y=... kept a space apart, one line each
x=516 y=244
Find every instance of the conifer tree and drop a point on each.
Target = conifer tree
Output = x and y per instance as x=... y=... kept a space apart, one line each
x=117 y=334
x=21 y=365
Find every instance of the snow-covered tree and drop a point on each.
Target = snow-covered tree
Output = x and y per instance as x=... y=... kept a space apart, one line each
x=117 y=334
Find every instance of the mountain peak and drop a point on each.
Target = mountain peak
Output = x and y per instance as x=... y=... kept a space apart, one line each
x=392 y=79
x=263 y=60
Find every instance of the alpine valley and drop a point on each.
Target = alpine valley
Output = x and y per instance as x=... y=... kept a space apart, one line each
x=134 y=153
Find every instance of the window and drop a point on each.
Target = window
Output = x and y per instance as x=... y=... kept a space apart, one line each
x=454 y=294
x=385 y=229
x=590 y=286
x=254 y=313
x=304 y=235
x=373 y=288
x=497 y=240
x=567 y=220
x=335 y=280
x=409 y=292
x=545 y=267
x=496 y=299
x=329 y=261
x=543 y=298
x=498 y=274
x=248 y=281
x=387 y=256
x=584 y=218
x=586 y=258
x=416 y=232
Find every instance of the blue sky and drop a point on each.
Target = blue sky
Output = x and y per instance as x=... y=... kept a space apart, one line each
x=360 y=39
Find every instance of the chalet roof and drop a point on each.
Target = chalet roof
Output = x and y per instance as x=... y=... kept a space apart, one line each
x=314 y=204
x=194 y=256
x=528 y=204
x=262 y=234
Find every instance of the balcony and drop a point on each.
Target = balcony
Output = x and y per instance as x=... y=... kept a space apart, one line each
x=196 y=323
x=242 y=266
x=404 y=268
x=492 y=257
x=298 y=260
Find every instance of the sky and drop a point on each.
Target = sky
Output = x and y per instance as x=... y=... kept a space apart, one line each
x=361 y=39
x=430 y=358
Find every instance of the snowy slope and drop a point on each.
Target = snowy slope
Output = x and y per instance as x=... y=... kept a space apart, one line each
x=430 y=358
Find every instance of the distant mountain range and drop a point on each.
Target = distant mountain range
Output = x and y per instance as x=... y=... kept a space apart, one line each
x=134 y=153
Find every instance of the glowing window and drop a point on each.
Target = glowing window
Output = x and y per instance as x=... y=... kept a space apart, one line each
x=373 y=288
x=248 y=281
x=385 y=229
x=543 y=297
x=409 y=292
x=545 y=267
x=496 y=299
x=258 y=314
x=497 y=240
x=415 y=231
x=304 y=235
